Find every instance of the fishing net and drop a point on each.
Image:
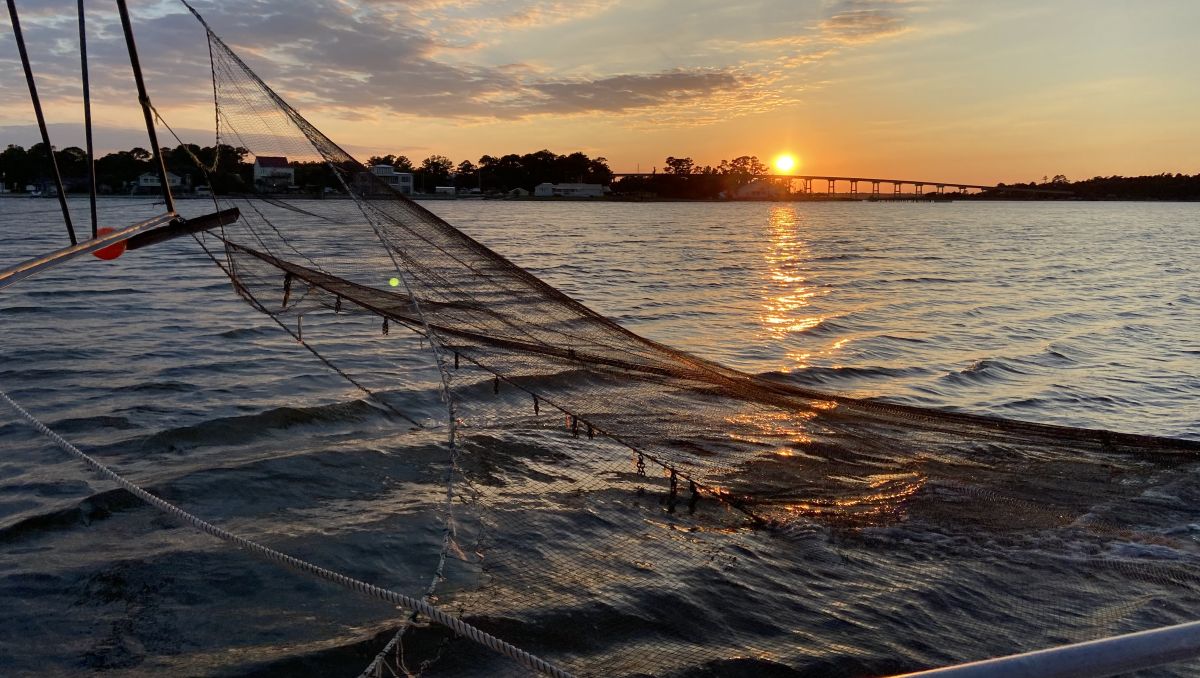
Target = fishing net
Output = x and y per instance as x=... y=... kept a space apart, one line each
x=619 y=507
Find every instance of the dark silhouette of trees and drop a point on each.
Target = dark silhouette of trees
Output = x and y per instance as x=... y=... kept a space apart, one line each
x=679 y=165
x=15 y=167
x=500 y=174
x=1154 y=187
x=507 y=172
x=682 y=179
x=434 y=171
x=115 y=170
x=313 y=177
x=400 y=162
x=466 y=175
x=118 y=172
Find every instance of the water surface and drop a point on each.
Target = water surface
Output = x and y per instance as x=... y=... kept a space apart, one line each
x=1069 y=313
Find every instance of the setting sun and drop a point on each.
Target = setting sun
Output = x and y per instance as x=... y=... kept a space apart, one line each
x=785 y=162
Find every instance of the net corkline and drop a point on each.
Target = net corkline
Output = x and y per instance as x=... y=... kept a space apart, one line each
x=677 y=514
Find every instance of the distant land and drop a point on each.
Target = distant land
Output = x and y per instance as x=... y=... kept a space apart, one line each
x=230 y=171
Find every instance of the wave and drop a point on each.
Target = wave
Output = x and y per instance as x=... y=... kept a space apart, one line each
x=83 y=293
x=244 y=332
x=95 y=508
x=240 y=429
x=841 y=373
x=88 y=424
x=984 y=371
x=156 y=387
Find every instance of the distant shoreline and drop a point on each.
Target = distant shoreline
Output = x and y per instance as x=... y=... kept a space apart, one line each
x=908 y=198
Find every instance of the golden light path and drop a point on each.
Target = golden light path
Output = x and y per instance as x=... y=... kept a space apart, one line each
x=788 y=291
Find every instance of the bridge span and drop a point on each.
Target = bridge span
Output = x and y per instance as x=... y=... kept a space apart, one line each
x=806 y=185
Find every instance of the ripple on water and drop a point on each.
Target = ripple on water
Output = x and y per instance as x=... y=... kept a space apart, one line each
x=964 y=307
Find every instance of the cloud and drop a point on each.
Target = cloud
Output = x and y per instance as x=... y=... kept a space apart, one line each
x=622 y=93
x=783 y=57
x=107 y=138
x=369 y=59
x=365 y=67
x=863 y=21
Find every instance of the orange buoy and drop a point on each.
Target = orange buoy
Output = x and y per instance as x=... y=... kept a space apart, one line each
x=112 y=251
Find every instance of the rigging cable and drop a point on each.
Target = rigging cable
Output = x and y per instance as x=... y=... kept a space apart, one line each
x=41 y=119
x=144 y=100
x=87 y=118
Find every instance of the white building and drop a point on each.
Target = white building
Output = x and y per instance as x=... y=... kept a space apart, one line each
x=761 y=189
x=548 y=190
x=150 y=180
x=273 y=173
x=401 y=181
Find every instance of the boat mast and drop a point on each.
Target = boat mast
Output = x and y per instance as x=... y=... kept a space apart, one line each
x=41 y=119
x=87 y=117
x=144 y=100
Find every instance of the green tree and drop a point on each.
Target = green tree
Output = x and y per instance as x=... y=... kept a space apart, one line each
x=747 y=166
x=599 y=172
x=72 y=162
x=433 y=172
x=680 y=165
x=381 y=160
x=115 y=171
x=15 y=167
x=466 y=175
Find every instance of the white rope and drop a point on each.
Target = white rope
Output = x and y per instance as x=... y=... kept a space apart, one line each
x=457 y=625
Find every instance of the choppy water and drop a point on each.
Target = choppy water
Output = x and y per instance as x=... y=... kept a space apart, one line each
x=1079 y=314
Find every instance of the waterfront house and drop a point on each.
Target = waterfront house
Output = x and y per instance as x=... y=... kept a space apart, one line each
x=150 y=182
x=548 y=190
x=273 y=173
x=401 y=181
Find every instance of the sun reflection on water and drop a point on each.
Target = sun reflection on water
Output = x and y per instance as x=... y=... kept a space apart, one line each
x=788 y=291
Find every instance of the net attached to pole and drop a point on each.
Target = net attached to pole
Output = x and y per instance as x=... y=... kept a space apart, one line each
x=622 y=508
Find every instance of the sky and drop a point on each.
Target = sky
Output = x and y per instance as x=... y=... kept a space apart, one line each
x=977 y=92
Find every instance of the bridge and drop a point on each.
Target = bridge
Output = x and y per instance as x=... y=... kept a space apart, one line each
x=919 y=187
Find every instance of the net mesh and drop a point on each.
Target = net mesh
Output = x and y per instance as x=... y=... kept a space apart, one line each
x=622 y=508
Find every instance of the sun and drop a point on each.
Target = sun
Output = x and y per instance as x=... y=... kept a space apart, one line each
x=785 y=162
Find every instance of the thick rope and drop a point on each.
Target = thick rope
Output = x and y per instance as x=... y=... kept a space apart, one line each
x=459 y=626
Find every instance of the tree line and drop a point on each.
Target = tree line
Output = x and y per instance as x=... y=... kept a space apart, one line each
x=230 y=169
x=118 y=172
x=1164 y=186
x=682 y=178
x=503 y=173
